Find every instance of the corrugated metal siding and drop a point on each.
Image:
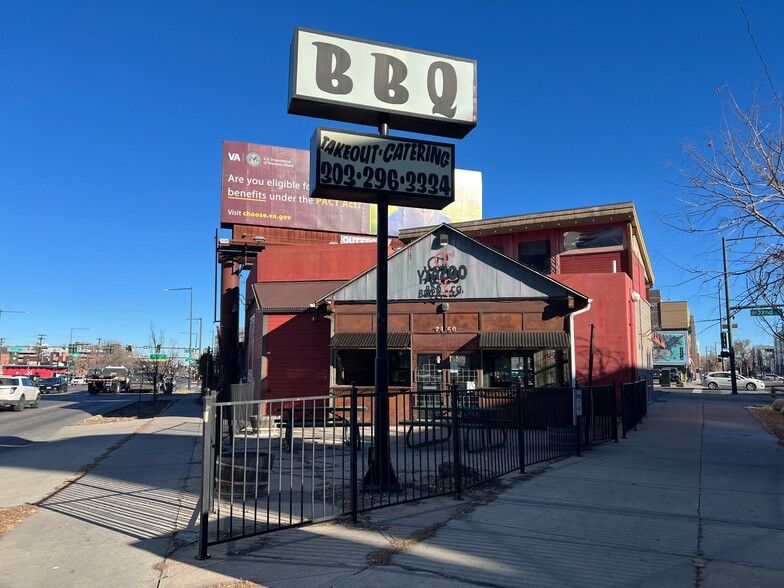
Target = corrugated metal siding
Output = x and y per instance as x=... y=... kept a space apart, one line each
x=298 y=359
x=524 y=340
x=596 y=263
x=368 y=341
x=292 y=295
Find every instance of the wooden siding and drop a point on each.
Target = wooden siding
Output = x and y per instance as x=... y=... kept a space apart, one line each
x=297 y=350
x=592 y=263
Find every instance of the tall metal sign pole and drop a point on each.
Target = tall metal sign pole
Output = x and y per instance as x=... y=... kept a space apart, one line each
x=363 y=82
x=733 y=375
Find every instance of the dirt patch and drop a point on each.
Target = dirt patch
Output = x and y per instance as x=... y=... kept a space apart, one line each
x=238 y=584
x=12 y=516
x=137 y=410
x=771 y=420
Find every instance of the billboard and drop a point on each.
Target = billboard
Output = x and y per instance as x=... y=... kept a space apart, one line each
x=269 y=186
x=670 y=347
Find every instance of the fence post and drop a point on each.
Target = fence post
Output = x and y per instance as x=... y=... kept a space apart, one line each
x=623 y=409
x=207 y=459
x=456 y=442
x=354 y=443
x=520 y=428
x=614 y=411
x=577 y=418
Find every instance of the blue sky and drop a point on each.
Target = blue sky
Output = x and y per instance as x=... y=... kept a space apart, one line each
x=112 y=116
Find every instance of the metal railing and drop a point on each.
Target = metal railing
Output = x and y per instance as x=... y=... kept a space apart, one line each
x=634 y=405
x=273 y=464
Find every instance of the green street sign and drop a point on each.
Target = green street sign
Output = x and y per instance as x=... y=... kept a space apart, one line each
x=157 y=356
x=15 y=349
x=766 y=312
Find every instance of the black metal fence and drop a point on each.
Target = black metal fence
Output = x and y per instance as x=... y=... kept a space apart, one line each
x=272 y=464
x=634 y=405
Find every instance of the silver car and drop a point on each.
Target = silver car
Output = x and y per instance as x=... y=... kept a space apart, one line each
x=716 y=380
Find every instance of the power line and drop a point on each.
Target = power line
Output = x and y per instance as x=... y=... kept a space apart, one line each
x=759 y=54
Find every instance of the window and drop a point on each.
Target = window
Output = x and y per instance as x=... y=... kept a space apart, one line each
x=498 y=247
x=535 y=254
x=610 y=237
x=463 y=368
x=504 y=369
x=358 y=366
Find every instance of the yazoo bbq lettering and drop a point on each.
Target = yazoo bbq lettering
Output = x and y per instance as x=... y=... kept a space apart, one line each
x=397 y=151
x=332 y=76
x=441 y=280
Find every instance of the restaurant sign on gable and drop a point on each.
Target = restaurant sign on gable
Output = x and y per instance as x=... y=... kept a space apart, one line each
x=363 y=82
x=359 y=166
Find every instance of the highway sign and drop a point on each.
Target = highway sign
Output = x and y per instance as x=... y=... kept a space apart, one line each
x=766 y=312
x=157 y=356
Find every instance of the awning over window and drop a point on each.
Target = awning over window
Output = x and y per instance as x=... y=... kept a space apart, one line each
x=368 y=341
x=524 y=340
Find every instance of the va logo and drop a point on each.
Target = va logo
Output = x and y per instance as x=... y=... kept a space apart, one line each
x=234 y=157
x=253 y=159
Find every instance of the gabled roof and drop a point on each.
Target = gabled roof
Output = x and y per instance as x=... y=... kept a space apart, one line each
x=457 y=268
x=568 y=218
x=291 y=296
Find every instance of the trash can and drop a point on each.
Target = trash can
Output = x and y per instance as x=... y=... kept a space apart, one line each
x=665 y=378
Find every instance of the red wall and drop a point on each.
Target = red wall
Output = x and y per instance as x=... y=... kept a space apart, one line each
x=297 y=353
x=292 y=263
x=613 y=316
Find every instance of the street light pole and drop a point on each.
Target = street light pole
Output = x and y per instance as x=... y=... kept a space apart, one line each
x=70 y=342
x=733 y=376
x=190 y=330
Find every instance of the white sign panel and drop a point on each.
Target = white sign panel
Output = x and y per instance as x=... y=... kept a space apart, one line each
x=363 y=82
x=360 y=166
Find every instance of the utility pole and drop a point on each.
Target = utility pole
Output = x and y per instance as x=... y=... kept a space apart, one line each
x=733 y=376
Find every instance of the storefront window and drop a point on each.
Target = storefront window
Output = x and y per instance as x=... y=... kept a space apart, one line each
x=358 y=366
x=429 y=370
x=541 y=369
x=463 y=368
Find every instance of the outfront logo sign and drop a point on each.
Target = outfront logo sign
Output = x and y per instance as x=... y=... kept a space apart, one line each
x=363 y=82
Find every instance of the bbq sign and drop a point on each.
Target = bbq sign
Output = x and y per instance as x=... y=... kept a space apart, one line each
x=356 y=81
x=359 y=166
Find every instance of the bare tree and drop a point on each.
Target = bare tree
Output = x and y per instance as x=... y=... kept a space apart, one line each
x=734 y=187
x=155 y=370
x=744 y=355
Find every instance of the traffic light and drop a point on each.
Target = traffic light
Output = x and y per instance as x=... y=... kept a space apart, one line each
x=158 y=348
x=718 y=361
x=723 y=340
x=129 y=348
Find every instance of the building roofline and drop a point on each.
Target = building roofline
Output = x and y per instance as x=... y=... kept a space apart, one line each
x=607 y=213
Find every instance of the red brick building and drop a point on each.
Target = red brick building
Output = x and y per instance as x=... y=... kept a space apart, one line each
x=533 y=288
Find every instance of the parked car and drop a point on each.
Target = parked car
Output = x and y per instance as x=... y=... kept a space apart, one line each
x=48 y=385
x=16 y=391
x=78 y=381
x=770 y=377
x=675 y=375
x=716 y=380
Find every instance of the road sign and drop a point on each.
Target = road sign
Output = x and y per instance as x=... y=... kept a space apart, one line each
x=157 y=356
x=15 y=349
x=766 y=312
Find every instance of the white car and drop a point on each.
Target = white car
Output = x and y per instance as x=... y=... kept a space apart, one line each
x=78 y=381
x=16 y=391
x=716 y=380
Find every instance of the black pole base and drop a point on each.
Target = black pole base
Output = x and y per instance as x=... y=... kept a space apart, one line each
x=380 y=477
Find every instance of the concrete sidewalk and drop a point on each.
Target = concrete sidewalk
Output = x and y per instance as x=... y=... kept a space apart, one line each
x=692 y=498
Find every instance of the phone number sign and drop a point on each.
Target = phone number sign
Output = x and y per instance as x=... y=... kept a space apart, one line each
x=360 y=166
